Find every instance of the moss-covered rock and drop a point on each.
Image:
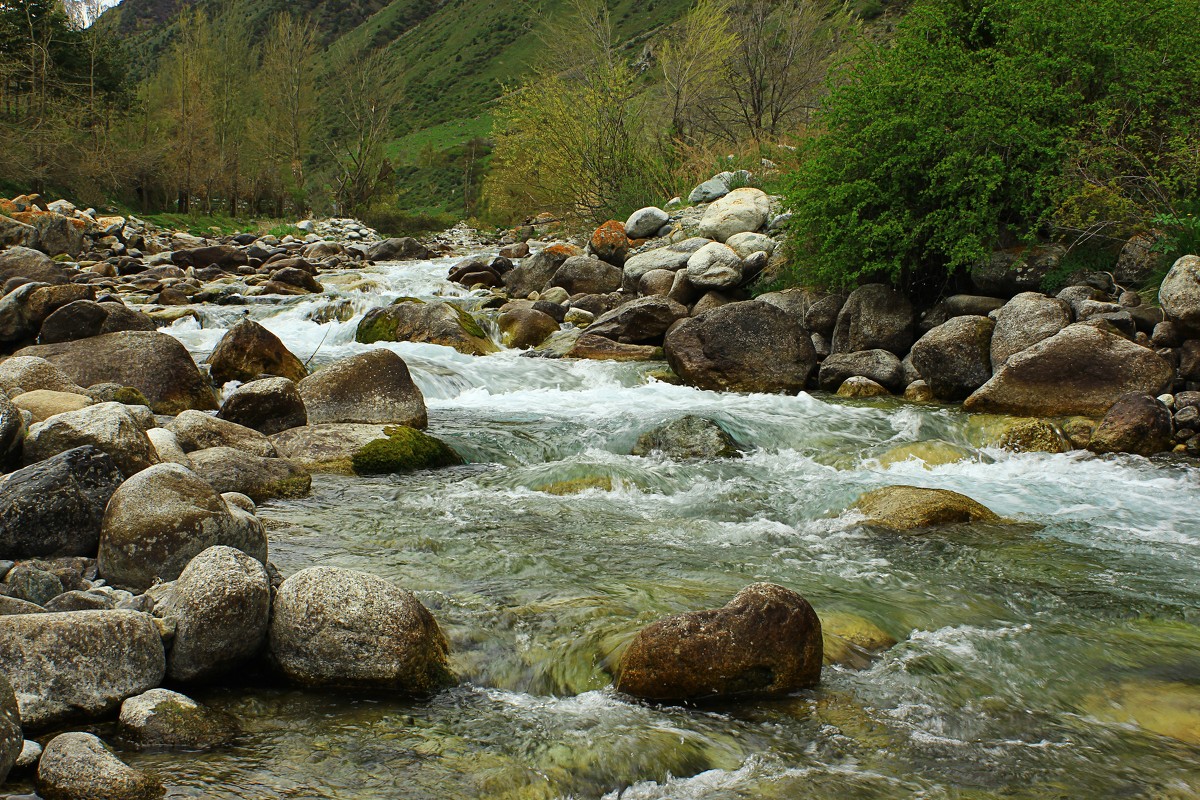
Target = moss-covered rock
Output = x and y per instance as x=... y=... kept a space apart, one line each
x=404 y=450
x=564 y=488
x=907 y=508
x=933 y=453
x=1033 y=436
x=411 y=320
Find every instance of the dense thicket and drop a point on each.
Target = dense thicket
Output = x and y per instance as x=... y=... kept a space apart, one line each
x=990 y=122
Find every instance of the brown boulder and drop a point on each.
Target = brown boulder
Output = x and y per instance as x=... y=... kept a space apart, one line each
x=610 y=243
x=523 y=326
x=955 y=357
x=642 y=321
x=1137 y=423
x=249 y=350
x=906 y=508
x=368 y=388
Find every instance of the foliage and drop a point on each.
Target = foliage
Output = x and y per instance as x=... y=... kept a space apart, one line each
x=986 y=122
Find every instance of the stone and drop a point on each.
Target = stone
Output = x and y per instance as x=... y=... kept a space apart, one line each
x=822 y=316
x=12 y=741
x=740 y=211
x=326 y=447
x=167 y=447
x=673 y=258
x=718 y=186
x=859 y=387
x=221 y=607
x=852 y=641
x=269 y=405
x=412 y=320
x=881 y=366
x=398 y=249
x=748 y=243
x=610 y=243
x=12 y=432
x=955 y=357
x=156 y=364
x=20 y=374
x=958 y=305
x=522 y=327
x=600 y=348
x=657 y=282
x=687 y=438
x=195 y=430
x=43 y=403
x=403 y=449
x=795 y=301
x=17 y=234
x=23 y=310
x=248 y=350
x=261 y=478
x=31 y=753
x=55 y=507
x=30 y=266
x=874 y=316
x=1079 y=371
x=910 y=508
x=714 y=266
x=32 y=585
x=338 y=627
x=766 y=642
x=166 y=720
x=109 y=427
x=162 y=518
x=1137 y=423
x=918 y=391
x=641 y=321
x=369 y=388
x=217 y=255
x=645 y=222
x=1033 y=436
x=1164 y=708
x=78 y=766
x=1018 y=269
x=1179 y=295
x=536 y=272
x=79 y=664
x=584 y=275
x=1024 y=321
x=743 y=347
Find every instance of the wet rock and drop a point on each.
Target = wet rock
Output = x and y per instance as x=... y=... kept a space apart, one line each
x=584 y=275
x=109 y=427
x=1033 y=436
x=43 y=404
x=21 y=374
x=11 y=738
x=195 y=430
x=156 y=364
x=918 y=391
x=641 y=321
x=600 y=348
x=874 y=317
x=1138 y=424
x=77 y=766
x=398 y=249
x=955 y=357
x=162 y=518
x=852 y=641
x=162 y=719
x=536 y=272
x=327 y=447
x=1179 y=294
x=1080 y=370
x=229 y=469
x=249 y=350
x=221 y=607
x=881 y=366
x=268 y=406
x=403 y=450
x=1165 y=708
x=411 y=320
x=338 y=627
x=858 y=386
x=764 y=642
x=55 y=507
x=686 y=438
x=645 y=222
x=907 y=508
x=931 y=453
x=742 y=347
x=740 y=211
x=610 y=243
x=79 y=664
x=1024 y=321
x=369 y=388
x=523 y=326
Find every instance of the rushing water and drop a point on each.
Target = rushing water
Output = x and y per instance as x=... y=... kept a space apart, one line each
x=1018 y=644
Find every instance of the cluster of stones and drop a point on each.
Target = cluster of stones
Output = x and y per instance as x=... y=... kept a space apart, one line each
x=339 y=229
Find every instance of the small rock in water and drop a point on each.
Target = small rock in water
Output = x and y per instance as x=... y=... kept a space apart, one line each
x=858 y=386
x=164 y=719
x=687 y=437
x=78 y=766
x=852 y=641
x=906 y=508
x=1137 y=423
x=1033 y=436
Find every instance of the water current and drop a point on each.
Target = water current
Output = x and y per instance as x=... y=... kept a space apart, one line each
x=1055 y=658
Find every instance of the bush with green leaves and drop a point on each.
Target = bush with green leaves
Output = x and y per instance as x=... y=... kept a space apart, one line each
x=987 y=123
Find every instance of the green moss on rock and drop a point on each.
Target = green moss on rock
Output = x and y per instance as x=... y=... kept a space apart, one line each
x=404 y=450
x=130 y=396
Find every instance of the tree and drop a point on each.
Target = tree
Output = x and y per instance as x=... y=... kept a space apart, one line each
x=284 y=129
x=695 y=61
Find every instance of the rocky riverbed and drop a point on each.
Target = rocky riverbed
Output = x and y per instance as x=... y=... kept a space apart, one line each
x=384 y=533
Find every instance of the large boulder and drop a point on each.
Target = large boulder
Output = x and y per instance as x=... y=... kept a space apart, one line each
x=1024 y=321
x=16 y=234
x=30 y=266
x=269 y=405
x=77 y=766
x=156 y=364
x=369 y=388
x=328 y=447
x=1179 y=294
x=583 y=275
x=412 y=320
x=24 y=309
x=162 y=518
x=742 y=347
x=195 y=430
x=338 y=627
x=881 y=366
x=248 y=350
x=522 y=326
x=216 y=255
x=535 y=273
x=764 y=642
x=955 y=357
x=21 y=374
x=907 y=508
x=641 y=321
x=221 y=607
x=1137 y=423
x=714 y=266
x=610 y=243
x=874 y=316
x=1081 y=370
x=686 y=438
x=672 y=258
x=645 y=222
x=11 y=738
x=398 y=249
x=79 y=663
x=740 y=211
x=55 y=507
x=229 y=469
x=164 y=720
x=109 y=427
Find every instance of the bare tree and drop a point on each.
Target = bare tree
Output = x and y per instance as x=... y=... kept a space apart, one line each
x=287 y=104
x=695 y=61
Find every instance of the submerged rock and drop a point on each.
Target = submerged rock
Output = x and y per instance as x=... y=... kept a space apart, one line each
x=764 y=642
x=403 y=450
x=1164 y=708
x=852 y=641
x=163 y=719
x=687 y=437
x=78 y=766
x=907 y=508
x=1033 y=436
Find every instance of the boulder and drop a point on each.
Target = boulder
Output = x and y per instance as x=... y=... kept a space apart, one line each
x=43 y=403
x=24 y=309
x=673 y=258
x=338 y=627
x=955 y=357
x=822 y=316
x=744 y=347
x=880 y=366
x=162 y=518
x=536 y=272
x=195 y=430
x=907 y=508
x=687 y=438
x=524 y=326
x=327 y=447
x=294 y=281
x=166 y=720
x=1033 y=436
x=412 y=320
x=875 y=316
x=1024 y=321
x=764 y=642
x=369 y=388
x=231 y=469
x=1179 y=295
x=32 y=585
x=12 y=432
x=398 y=249
x=600 y=348
x=220 y=607
x=857 y=386
x=645 y=222
x=584 y=275
x=714 y=266
x=1136 y=423
x=156 y=364
x=30 y=266
x=79 y=664
x=12 y=741
x=958 y=305
x=249 y=350
x=717 y=186
x=21 y=374
x=657 y=282
x=1079 y=371
x=796 y=301
x=610 y=243
x=78 y=766
x=55 y=507
x=741 y=211
x=402 y=449
x=217 y=255
x=109 y=427
x=167 y=447
x=641 y=321
x=269 y=405
x=749 y=243
x=16 y=234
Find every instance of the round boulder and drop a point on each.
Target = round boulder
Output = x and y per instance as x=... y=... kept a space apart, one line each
x=523 y=326
x=1179 y=294
x=740 y=211
x=162 y=719
x=645 y=222
x=1024 y=321
x=715 y=266
x=955 y=357
x=368 y=388
x=610 y=243
x=584 y=275
x=1138 y=424
x=860 y=387
x=269 y=405
x=77 y=766
x=248 y=350
x=109 y=427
